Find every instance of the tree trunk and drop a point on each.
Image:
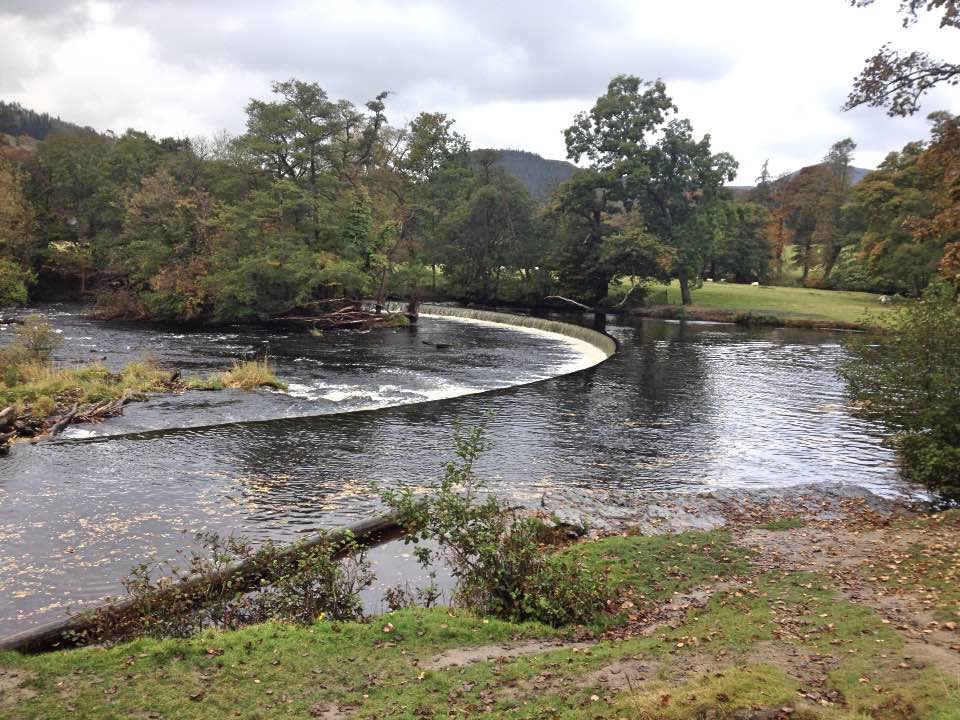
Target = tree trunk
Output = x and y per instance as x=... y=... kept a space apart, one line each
x=684 y=286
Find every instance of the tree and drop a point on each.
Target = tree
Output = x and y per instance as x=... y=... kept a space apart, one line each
x=896 y=81
x=907 y=210
x=831 y=236
x=17 y=242
x=909 y=378
x=644 y=158
x=741 y=248
x=486 y=231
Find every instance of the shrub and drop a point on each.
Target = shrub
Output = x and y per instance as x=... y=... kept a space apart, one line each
x=14 y=281
x=252 y=374
x=37 y=338
x=43 y=407
x=493 y=551
x=909 y=379
x=304 y=586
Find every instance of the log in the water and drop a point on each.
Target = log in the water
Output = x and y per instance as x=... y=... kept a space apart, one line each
x=240 y=577
x=7 y=416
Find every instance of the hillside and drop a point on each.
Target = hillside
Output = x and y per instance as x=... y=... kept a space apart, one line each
x=539 y=175
x=16 y=120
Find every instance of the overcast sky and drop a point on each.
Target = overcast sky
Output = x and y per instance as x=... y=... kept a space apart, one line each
x=766 y=78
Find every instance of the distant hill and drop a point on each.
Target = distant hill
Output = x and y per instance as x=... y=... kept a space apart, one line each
x=539 y=175
x=856 y=174
x=16 y=120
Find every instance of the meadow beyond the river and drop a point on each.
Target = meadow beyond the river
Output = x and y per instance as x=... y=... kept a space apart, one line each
x=790 y=304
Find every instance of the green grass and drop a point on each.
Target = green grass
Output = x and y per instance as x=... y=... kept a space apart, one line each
x=252 y=374
x=45 y=382
x=790 y=523
x=663 y=564
x=755 y=644
x=785 y=302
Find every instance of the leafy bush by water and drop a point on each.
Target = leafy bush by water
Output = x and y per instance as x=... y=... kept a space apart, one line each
x=909 y=378
x=494 y=551
x=304 y=586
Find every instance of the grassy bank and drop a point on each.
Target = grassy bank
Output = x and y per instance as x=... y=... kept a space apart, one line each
x=44 y=393
x=792 y=305
x=705 y=625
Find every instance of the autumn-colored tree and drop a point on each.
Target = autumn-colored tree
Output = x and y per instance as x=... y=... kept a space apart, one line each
x=909 y=210
x=897 y=81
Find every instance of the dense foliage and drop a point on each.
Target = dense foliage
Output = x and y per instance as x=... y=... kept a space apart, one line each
x=909 y=378
x=321 y=200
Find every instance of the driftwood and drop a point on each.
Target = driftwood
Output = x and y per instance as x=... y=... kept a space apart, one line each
x=105 y=409
x=572 y=302
x=7 y=416
x=350 y=317
x=241 y=577
x=60 y=425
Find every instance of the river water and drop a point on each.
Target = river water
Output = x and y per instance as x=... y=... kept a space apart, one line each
x=681 y=406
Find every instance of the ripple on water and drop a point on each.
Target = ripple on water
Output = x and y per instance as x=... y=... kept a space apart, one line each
x=681 y=407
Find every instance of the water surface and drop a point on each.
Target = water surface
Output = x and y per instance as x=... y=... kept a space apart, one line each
x=682 y=406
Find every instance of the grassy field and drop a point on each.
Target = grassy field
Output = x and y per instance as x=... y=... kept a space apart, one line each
x=709 y=627
x=785 y=302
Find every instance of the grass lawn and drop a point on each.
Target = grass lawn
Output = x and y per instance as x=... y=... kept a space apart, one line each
x=785 y=302
x=767 y=643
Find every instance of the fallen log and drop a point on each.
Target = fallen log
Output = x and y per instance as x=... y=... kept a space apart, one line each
x=61 y=424
x=7 y=417
x=240 y=577
x=105 y=409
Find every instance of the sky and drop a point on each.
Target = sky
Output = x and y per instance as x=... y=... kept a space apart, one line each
x=765 y=78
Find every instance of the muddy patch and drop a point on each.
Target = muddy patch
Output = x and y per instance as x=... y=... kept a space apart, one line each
x=464 y=656
x=12 y=690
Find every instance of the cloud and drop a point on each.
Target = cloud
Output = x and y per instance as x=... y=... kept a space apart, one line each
x=766 y=79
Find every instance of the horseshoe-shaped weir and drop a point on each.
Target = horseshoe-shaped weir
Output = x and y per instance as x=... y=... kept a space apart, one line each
x=78 y=512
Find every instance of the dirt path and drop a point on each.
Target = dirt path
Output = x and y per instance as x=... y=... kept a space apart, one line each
x=851 y=557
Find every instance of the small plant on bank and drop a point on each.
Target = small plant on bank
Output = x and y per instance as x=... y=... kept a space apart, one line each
x=494 y=551
x=252 y=374
x=169 y=599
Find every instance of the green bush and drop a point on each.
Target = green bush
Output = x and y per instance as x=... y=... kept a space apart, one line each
x=14 y=281
x=302 y=587
x=37 y=338
x=909 y=379
x=494 y=551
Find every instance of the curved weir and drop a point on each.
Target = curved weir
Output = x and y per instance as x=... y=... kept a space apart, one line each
x=678 y=407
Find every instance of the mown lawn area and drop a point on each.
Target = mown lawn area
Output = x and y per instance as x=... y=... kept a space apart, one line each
x=785 y=302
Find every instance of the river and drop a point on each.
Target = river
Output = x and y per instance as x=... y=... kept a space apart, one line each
x=681 y=407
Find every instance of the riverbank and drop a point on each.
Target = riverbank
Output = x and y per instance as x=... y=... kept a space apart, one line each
x=836 y=605
x=772 y=305
x=40 y=398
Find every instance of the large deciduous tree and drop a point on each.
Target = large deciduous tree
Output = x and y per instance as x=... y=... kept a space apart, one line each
x=642 y=158
x=908 y=210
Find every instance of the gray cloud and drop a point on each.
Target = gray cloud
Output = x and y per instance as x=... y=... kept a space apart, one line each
x=765 y=77
x=478 y=52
